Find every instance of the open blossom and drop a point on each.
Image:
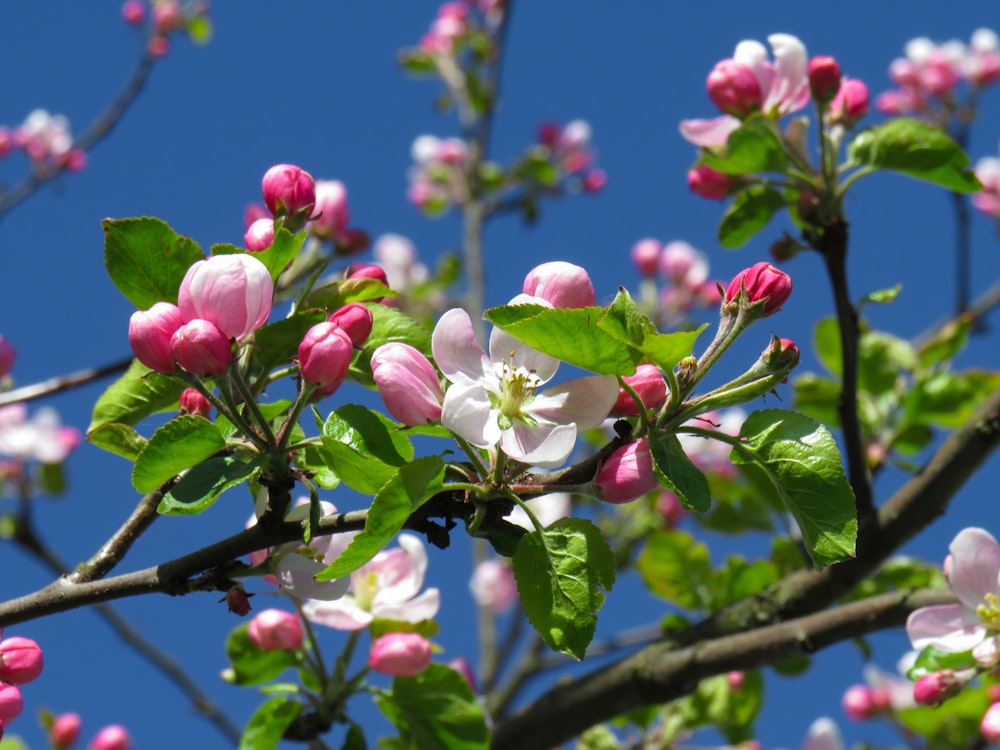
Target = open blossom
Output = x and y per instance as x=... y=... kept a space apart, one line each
x=496 y=400
x=46 y=139
x=973 y=573
x=783 y=87
x=387 y=587
x=42 y=438
x=398 y=257
x=824 y=734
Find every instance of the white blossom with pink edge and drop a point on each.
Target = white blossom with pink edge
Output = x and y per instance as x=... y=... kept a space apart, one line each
x=42 y=438
x=784 y=85
x=494 y=401
x=547 y=509
x=973 y=573
x=387 y=588
x=824 y=734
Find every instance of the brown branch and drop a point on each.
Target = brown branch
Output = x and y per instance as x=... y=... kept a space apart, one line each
x=113 y=550
x=63 y=382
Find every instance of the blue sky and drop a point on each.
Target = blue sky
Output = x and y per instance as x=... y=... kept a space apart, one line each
x=317 y=84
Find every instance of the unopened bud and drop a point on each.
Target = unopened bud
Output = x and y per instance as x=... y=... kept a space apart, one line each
x=65 y=731
x=824 y=78
x=356 y=321
x=20 y=660
x=627 y=474
x=734 y=88
x=112 y=737
x=646 y=256
x=858 y=703
x=201 y=348
x=288 y=190
x=707 y=183
x=325 y=356
x=275 y=630
x=564 y=285
x=260 y=235
x=649 y=385
x=192 y=402
x=937 y=687
x=400 y=654
x=849 y=105
x=149 y=334
x=990 y=725
x=763 y=284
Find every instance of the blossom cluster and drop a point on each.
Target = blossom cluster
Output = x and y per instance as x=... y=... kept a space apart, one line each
x=166 y=18
x=46 y=141
x=675 y=280
x=20 y=662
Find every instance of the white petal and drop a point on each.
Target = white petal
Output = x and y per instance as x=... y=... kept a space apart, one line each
x=544 y=445
x=467 y=412
x=423 y=607
x=949 y=627
x=455 y=347
x=713 y=132
x=583 y=401
x=342 y=614
x=974 y=567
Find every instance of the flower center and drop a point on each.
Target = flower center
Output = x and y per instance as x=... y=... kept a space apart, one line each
x=989 y=612
x=364 y=587
x=517 y=390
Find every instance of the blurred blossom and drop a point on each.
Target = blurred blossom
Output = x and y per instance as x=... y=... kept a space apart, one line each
x=712 y=456
x=112 y=737
x=987 y=200
x=824 y=734
x=398 y=258
x=46 y=140
x=7 y=356
x=437 y=177
x=400 y=654
x=547 y=509
x=42 y=438
x=65 y=730
x=493 y=586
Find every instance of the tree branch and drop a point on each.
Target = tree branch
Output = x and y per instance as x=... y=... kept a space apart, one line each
x=63 y=382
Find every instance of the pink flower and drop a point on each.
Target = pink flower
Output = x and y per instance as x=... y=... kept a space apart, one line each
x=764 y=283
x=561 y=284
x=232 y=291
x=862 y=702
x=937 y=687
x=646 y=255
x=44 y=137
x=493 y=586
x=201 y=348
x=400 y=654
x=408 y=383
x=167 y=16
x=41 y=439
x=627 y=474
x=325 y=356
x=275 y=630
x=988 y=199
x=849 y=105
x=133 y=11
x=387 y=588
x=20 y=660
x=649 y=385
x=973 y=573
x=112 y=737
x=682 y=265
x=496 y=400
x=366 y=271
x=149 y=334
x=330 y=216
x=65 y=730
x=288 y=190
x=260 y=235
x=707 y=183
x=990 y=724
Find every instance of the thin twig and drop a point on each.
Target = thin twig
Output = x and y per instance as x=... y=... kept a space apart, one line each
x=63 y=382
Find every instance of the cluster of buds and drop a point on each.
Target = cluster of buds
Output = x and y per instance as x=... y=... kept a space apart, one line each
x=455 y=21
x=20 y=662
x=569 y=150
x=221 y=300
x=326 y=350
x=675 y=280
x=64 y=730
x=929 y=75
x=842 y=100
x=166 y=18
x=437 y=177
x=47 y=142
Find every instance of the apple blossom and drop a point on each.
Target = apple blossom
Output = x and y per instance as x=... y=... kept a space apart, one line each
x=849 y=105
x=561 y=284
x=645 y=255
x=762 y=283
x=990 y=724
x=734 y=88
x=20 y=660
x=493 y=586
x=11 y=703
x=400 y=654
x=259 y=236
x=823 y=734
x=683 y=265
x=42 y=438
x=275 y=630
x=232 y=291
x=65 y=730
x=149 y=334
x=355 y=319
x=7 y=356
x=330 y=215
x=366 y=271
x=987 y=200
x=547 y=509
x=288 y=190
x=707 y=183
x=133 y=11
x=937 y=687
x=111 y=737
x=863 y=702
x=201 y=348
x=408 y=383
x=386 y=588
x=496 y=400
x=398 y=257
x=627 y=474
x=973 y=572
x=824 y=78
x=649 y=385
x=325 y=356
x=192 y=402
x=167 y=16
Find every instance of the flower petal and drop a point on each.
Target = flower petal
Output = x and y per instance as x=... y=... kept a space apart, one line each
x=343 y=614
x=583 y=401
x=949 y=627
x=455 y=348
x=544 y=445
x=504 y=347
x=790 y=91
x=713 y=132
x=975 y=566
x=467 y=412
x=422 y=607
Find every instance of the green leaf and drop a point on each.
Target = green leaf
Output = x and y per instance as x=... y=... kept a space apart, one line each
x=948 y=341
x=251 y=665
x=826 y=340
x=362 y=473
x=388 y=324
x=13 y=742
x=947 y=727
x=202 y=485
x=750 y=211
x=882 y=359
x=560 y=573
x=436 y=710
x=623 y=321
x=199 y=29
x=179 y=444
x=354 y=739
x=268 y=724
x=817 y=397
x=881 y=296
x=338 y=293
x=134 y=396
x=801 y=458
x=277 y=344
x=949 y=399
x=678 y=473
x=677 y=568
x=715 y=703
x=755 y=146
x=410 y=488
x=146 y=259
x=119 y=439
x=917 y=149
x=369 y=432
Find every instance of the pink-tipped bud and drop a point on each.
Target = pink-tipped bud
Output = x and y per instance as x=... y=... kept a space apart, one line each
x=232 y=291
x=167 y=16
x=366 y=271
x=20 y=660
x=192 y=402
x=548 y=134
x=649 y=385
x=330 y=216
x=65 y=731
x=824 y=78
x=133 y=11
x=288 y=190
x=735 y=680
x=493 y=586
x=646 y=256
x=461 y=665
x=560 y=283
x=707 y=183
x=400 y=654
x=594 y=180
x=407 y=383
x=7 y=356
x=11 y=703
x=260 y=235
x=201 y=348
x=849 y=105
x=734 y=88
x=860 y=703
x=356 y=320
x=157 y=45
x=275 y=630
x=763 y=283
x=782 y=354
x=937 y=687
x=627 y=474
x=325 y=356
x=237 y=600
x=990 y=725
x=150 y=332
x=112 y=737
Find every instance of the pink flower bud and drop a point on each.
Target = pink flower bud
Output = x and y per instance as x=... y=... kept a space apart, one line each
x=65 y=730
x=325 y=356
x=157 y=46
x=201 y=348
x=192 y=402
x=237 y=600
x=990 y=725
x=562 y=284
x=734 y=88
x=627 y=474
x=331 y=214
x=232 y=291
x=683 y=265
x=937 y=687
x=356 y=321
x=7 y=356
x=112 y=737
x=260 y=235
x=11 y=703
x=670 y=508
x=275 y=630
x=707 y=183
x=849 y=105
x=493 y=586
x=650 y=386
x=735 y=680
x=20 y=660
x=366 y=271
x=762 y=283
x=133 y=11
x=781 y=354
x=149 y=334
x=400 y=654
x=407 y=383
x=167 y=16
x=858 y=703
x=288 y=190
x=461 y=665
x=594 y=180
x=254 y=211
x=646 y=255
x=824 y=78
x=548 y=134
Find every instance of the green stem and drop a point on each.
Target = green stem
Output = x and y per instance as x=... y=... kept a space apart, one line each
x=250 y=400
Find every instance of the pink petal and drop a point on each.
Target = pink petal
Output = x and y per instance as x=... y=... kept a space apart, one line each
x=455 y=348
x=975 y=566
x=504 y=347
x=949 y=627
x=713 y=132
x=791 y=87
